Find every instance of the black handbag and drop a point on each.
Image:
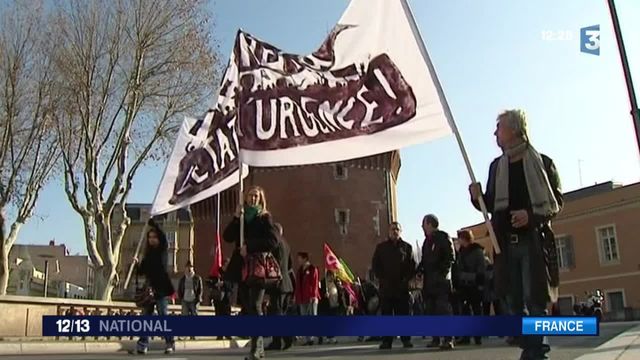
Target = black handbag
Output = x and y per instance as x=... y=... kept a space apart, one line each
x=144 y=296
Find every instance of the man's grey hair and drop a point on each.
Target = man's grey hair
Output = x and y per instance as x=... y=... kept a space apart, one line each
x=516 y=119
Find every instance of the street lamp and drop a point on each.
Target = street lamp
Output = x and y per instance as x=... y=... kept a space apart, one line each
x=46 y=272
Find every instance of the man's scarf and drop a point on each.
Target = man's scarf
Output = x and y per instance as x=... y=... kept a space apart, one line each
x=543 y=201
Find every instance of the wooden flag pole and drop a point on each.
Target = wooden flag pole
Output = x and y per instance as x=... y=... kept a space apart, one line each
x=241 y=198
x=135 y=255
x=240 y=169
x=452 y=123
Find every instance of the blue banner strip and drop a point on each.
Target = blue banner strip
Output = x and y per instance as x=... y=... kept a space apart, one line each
x=284 y=325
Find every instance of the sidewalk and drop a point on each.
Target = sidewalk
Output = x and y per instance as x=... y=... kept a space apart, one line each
x=116 y=346
x=625 y=346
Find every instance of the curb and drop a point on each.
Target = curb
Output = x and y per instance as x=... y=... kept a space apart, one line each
x=618 y=348
x=48 y=348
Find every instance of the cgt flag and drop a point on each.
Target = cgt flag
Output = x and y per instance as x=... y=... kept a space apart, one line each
x=333 y=263
x=368 y=89
x=339 y=268
x=203 y=163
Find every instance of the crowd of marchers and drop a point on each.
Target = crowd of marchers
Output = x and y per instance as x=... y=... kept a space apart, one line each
x=523 y=194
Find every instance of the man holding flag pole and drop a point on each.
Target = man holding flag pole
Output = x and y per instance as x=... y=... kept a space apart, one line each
x=394 y=266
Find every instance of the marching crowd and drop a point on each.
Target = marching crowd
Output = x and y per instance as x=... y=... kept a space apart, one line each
x=523 y=194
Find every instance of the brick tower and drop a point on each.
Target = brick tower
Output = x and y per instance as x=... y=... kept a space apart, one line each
x=346 y=204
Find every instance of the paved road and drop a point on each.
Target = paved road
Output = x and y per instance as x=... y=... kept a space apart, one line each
x=564 y=348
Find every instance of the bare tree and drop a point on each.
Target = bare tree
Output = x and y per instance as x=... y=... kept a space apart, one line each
x=28 y=150
x=127 y=70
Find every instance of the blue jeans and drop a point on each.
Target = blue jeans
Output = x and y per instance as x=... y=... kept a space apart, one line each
x=519 y=299
x=189 y=308
x=162 y=305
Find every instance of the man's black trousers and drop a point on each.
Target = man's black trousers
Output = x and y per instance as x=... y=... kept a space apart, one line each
x=278 y=305
x=395 y=304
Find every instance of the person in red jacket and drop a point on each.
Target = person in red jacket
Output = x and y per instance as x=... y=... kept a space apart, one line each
x=307 y=291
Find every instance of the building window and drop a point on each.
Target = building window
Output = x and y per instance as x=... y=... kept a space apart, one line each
x=342 y=219
x=171 y=217
x=171 y=244
x=608 y=244
x=566 y=256
x=340 y=172
x=133 y=213
x=615 y=300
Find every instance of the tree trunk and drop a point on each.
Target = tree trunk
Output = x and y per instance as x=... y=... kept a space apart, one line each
x=104 y=282
x=6 y=242
x=4 y=269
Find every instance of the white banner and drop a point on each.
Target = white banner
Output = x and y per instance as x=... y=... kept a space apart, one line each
x=204 y=162
x=368 y=89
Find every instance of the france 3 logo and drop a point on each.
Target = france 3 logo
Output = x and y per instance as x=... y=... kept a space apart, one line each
x=590 y=40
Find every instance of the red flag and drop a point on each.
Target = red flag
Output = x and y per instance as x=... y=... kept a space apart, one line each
x=336 y=265
x=331 y=261
x=217 y=259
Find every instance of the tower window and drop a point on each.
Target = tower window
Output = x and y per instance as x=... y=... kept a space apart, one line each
x=340 y=172
x=342 y=220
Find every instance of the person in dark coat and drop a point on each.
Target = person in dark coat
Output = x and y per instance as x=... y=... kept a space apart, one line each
x=489 y=298
x=334 y=301
x=239 y=295
x=523 y=194
x=154 y=268
x=260 y=236
x=454 y=298
x=435 y=266
x=470 y=273
x=219 y=294
x=280 y=297
x=394 y=266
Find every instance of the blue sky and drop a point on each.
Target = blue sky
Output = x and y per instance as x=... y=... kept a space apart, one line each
x=489 y=55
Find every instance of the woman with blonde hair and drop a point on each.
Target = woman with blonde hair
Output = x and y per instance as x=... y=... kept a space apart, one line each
x=260 y=236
